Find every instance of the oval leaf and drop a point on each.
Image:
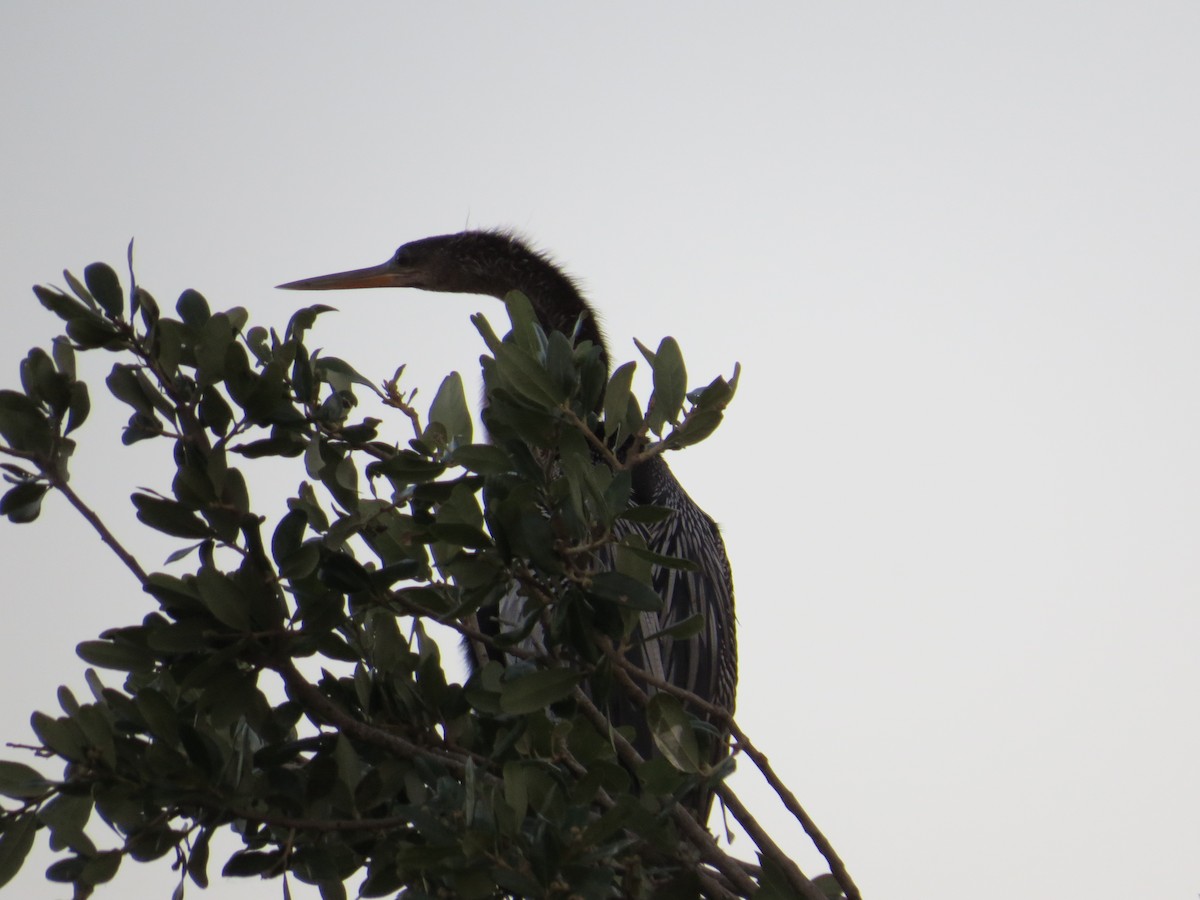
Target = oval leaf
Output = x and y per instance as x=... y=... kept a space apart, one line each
x=15 y=844
x=671 y=729
x=449 y=409
x=170 y=517
x=670 y=381
x=105 y=286
x=626 y=591
x=537 y=690
x=20 y=781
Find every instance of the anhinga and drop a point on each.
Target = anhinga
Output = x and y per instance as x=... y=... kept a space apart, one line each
x=494 y=263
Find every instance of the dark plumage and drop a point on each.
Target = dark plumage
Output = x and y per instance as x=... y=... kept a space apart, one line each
x=494 y=263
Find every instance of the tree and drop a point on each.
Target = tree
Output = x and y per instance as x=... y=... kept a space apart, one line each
x=284 y=684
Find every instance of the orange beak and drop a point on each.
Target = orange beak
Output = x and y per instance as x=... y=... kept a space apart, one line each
x=384 y=275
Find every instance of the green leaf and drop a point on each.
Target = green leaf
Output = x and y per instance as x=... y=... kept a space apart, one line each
x=827 y=885
x=215 y=413
x=43 y=383
x=145 y=303
x=526 y=376
x=384 y=577
x=20 y=781
x=170 y=517
x=80 y=406
x=302 y=320
x=463 y=535
x=698 y=425
x=223 y=599
x=197 y=861
x=560 y=364
x=516 y=787
x=160 y=715
x=238 y=316
x=406 y=467
x=618 y=493
x=244 y=863
x=15 y=843
x=647 y=515
x=537 y=690
x=287 y=444
x=101 y=867
x=192 y=308
x=617 y=397
x=340 y=374
x=671 y=728
x=66 y=871
x=719 y=392
x=524 y=321
x=484 y=327
x=92 y=332
x=105 y=286
x=123 y=383
x=109 y=655
x=288 y=535
x=23 y=425
x=65 y=816
x=449 y=409
x=80 y=290
x=98 y=731
x=24 y=502
x=681 y=631
x=670 y=384
x=67 y=700
x=344 y=573
x=212 y=348
x=625 y=591
x=486 y=459
x=62 y=736
x=64 y=356
x=66 y=308
x=669 y=562
x=173 y=593
x=302 y=563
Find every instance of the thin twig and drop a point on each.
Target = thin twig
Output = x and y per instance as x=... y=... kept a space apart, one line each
x=696 y=834
x=767 y=845
x=769 y=848
x=328 y=825
x=323 y=708
x=836 y=867
x=105 y=535
x=599 y=445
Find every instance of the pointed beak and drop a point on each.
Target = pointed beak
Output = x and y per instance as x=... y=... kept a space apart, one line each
x=385 y=275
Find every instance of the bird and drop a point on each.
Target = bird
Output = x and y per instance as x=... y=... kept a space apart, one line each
x=495 y=263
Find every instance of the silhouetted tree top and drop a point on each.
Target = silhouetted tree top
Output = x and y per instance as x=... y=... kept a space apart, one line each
x=282 y=685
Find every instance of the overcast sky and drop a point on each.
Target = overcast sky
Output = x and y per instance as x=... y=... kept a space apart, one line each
x=955 y=247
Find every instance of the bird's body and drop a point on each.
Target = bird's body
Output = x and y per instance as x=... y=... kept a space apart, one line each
x=705 y=664
x=495 y=263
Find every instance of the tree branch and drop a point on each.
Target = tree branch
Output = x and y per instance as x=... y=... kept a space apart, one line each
x=325 y=709
x=105 y=535
x=697 y=835
x=836 y=867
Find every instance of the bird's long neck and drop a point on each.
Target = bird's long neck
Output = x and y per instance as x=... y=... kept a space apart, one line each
x=556 y=299
x=561 y=308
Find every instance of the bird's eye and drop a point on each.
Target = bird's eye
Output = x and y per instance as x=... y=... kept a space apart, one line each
x=402 y=257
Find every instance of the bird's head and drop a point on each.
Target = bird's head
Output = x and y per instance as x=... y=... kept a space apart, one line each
x=493 y=263
x=471 y=262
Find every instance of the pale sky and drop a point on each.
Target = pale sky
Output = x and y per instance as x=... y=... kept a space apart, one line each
x=954 y=247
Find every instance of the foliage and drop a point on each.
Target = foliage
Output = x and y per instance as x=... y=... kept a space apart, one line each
x=284 y=685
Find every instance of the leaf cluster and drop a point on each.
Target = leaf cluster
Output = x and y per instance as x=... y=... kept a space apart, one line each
x=284 y=684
